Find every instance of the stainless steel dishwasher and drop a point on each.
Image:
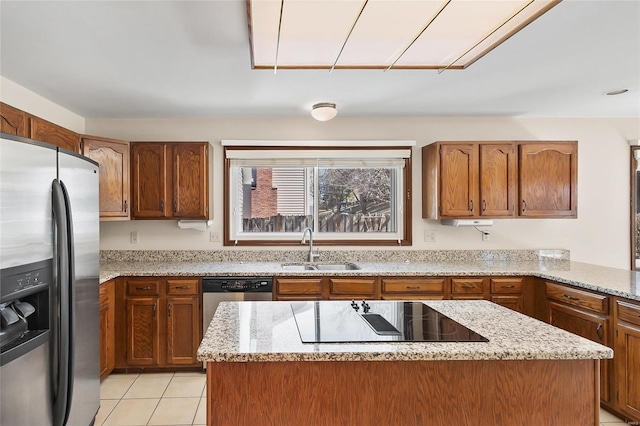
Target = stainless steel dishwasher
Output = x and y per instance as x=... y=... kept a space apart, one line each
x=221 y=289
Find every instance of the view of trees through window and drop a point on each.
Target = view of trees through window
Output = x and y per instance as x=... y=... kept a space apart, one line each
x=349 y=200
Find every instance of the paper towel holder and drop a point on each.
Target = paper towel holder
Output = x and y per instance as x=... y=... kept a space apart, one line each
x=198 y=225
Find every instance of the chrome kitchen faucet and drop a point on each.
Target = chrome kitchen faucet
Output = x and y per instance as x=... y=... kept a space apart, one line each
x=312 y=255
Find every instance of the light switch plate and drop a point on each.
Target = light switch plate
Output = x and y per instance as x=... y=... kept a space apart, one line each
x=430 y=235
x=134 y=237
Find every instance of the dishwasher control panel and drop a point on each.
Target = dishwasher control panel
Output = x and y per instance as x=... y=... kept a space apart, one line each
x=237 y=284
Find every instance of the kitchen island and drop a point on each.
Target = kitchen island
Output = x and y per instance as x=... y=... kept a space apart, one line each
x=527 y=373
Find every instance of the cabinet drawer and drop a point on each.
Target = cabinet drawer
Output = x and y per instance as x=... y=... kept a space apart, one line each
x=628 y=312
x=413 y=285
x=506 y=285
x=572 y=296
x=467 y=285
x=182 y=286
x=143 y=287
x=355 y=286
x=299 y=286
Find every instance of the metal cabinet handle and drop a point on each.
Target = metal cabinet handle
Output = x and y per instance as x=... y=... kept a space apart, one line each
x=182 y=287
x=484 y=205
x=568 y=296
x=143 y=288
x=524 y=205
x=169 y=310
x=471 y=204
x=412 y=287
x=162 y=205
x=507 y=286
x=175 y=207
x=155 y=308
x=125 y=206
x=468 y=286
x=599 y=331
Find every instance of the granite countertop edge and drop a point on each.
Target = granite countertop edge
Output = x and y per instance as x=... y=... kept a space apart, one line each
x=611 y=281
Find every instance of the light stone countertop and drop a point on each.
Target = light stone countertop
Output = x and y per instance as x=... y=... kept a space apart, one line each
x=266 y=331
x=612 y=281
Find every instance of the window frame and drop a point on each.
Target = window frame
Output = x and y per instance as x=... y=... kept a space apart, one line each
x=406 y=191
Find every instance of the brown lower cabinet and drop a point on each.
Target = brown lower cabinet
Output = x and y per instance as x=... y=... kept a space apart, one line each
x=627 y=358
x=107 y=328
x=158 y=323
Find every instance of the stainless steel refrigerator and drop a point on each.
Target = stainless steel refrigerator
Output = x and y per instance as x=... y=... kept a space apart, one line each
x=49 y=285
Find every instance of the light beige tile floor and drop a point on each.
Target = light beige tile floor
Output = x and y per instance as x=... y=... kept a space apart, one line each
x=172 y=399
x=166 y=399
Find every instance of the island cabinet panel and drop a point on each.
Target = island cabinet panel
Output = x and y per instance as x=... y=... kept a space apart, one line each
x=627 y=358
x=548 y=178
x=107 y=328
x=352 y=288
x=161 y=324
x=409 y=288
x=43 y=130
x=113 y=157
x=170 y=180
x=13 y=121
x=481 y=392
x=583 y=313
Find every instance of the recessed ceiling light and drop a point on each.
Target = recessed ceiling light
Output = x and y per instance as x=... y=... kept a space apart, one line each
x=616 y=92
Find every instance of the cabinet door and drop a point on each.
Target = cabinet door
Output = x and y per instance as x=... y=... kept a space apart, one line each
x=497 y=179
x=627 y=358
x=149 y=186
x=190 y=180
x=589 y=325
x=13 y=121
x=183 y=329
x=548 y=179
x=513 y=302
x=45 y=131
x=458 y=180
x=143 y=337
x=113 y=158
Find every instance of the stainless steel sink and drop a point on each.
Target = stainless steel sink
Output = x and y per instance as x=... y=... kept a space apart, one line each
x=298 y=267
x=336 y=267
x=320 y=267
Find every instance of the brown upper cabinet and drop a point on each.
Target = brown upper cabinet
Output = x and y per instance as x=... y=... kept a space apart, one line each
x=113 y=157
x=483 y=180
x=20 y=123
x=170 y=180
x=548 y=176
x=13 y=121
x=43 y=130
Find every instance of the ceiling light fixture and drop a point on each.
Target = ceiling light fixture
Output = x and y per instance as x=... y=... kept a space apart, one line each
x=324 y=111
x=616 y=92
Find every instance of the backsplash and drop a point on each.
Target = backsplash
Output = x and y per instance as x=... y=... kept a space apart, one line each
x=330 y=255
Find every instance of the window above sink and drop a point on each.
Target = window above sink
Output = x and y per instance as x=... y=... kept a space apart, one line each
x=353 y=195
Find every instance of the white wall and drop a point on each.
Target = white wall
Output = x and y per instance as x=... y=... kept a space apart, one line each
x=599 y=235
x=26 y=100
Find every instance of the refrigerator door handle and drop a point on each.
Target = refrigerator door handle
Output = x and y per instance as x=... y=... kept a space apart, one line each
x=63 y=386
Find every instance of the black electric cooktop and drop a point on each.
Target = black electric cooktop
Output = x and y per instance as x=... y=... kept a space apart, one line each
x=376 y=321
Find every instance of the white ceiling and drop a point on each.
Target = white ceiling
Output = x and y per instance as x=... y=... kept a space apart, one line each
x=130 y=59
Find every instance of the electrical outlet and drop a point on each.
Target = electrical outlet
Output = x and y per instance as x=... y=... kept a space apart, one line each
x=214 y=236
x=485 y=236
x=430 y=235
x=134 y=237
